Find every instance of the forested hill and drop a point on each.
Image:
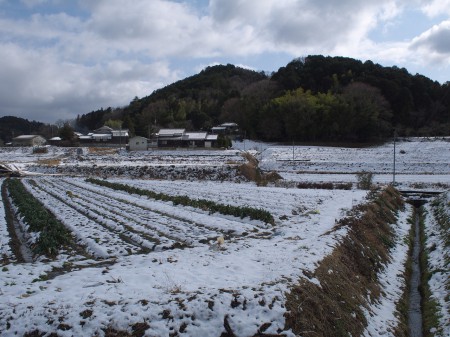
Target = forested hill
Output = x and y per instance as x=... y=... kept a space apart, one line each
x=315 y=98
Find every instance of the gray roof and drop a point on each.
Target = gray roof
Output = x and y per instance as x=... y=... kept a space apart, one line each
x=171 y=132
x=195 y=135
x=23 y=137
x=212 y=137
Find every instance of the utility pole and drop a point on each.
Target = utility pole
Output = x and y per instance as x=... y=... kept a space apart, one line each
x=120 y=137
x=393 y=174
x=293 y=151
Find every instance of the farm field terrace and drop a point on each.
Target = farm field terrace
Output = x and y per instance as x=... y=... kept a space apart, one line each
x=144 y=277
x=138 y=263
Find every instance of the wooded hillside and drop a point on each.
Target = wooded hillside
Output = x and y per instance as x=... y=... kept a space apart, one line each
x=316 y=98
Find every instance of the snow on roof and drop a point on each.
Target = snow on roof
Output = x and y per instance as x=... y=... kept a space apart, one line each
x=228 y=124
x=196 y=135
x=138 y=137
x=104 y=128
x=212 y=137
x=55 y=138
x=118 y=133
x=101 y=135
x=171 y=132
x=26 y=137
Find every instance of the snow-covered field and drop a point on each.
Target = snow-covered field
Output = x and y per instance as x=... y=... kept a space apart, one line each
x=154 y=262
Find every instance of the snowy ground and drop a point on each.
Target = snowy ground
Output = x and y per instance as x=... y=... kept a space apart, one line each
x=439 y=258
x=132 y=277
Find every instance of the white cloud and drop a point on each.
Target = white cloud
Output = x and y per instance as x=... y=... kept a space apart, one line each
x=436 y=8
x=67 y=63
x=48 y=89
x=435 y=43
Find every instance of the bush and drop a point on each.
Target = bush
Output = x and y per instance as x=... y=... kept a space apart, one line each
x=364 y=180
x=40 y=149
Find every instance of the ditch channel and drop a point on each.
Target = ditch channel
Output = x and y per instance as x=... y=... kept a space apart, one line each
x=415 y=300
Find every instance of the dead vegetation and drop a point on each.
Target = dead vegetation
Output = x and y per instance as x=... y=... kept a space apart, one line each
x=330 y=301
x=252 y=172
x=102 y=150
x=49 y=162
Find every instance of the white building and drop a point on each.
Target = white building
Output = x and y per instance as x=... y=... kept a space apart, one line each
x=138 y=143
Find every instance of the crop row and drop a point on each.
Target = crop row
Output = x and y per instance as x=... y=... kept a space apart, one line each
x=144 y=227
x=107 y=222
x=97 y=239
x=52 y=233
x=207 y=205
x=278 y=201
x=5 y=249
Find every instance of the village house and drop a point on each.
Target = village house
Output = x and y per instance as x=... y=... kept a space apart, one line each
x=28 y=140
x=225 y=129
x=105 y=136
x=194 y=139
x=182 y=138
x=170 y=137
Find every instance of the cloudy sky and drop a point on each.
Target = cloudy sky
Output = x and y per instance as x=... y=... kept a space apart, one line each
x=61 y=58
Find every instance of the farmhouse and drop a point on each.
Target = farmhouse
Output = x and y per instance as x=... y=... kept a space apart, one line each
x=28 y=140
x=225 y=129
x=105 y=135
x=181 y=138
x=138 y=143
x=170 y=137
x=194 y=139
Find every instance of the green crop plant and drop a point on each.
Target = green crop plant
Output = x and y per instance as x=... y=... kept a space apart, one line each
x=52 y=233
x=207 y=205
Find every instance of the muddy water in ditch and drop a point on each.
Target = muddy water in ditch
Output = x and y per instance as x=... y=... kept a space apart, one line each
x=415 y=309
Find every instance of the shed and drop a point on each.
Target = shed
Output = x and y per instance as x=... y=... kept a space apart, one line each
x=211 y=141
x=138 y=143
x=55 y=141
x=28 y=140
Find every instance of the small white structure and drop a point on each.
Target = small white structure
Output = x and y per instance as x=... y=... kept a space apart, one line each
x=138 y=143
x=28 y=140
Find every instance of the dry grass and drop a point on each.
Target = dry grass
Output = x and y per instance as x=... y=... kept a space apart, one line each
x=348 y=277
x=102 y=150
x=251 y=159
x=251 y=171
x=49 y=162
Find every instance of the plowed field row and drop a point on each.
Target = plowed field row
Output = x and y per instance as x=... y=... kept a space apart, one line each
x=109 y=223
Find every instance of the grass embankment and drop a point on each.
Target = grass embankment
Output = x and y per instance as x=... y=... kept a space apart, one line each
x=52 y=233
x=430 y=308
x=206 y=205
x=348 y=277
